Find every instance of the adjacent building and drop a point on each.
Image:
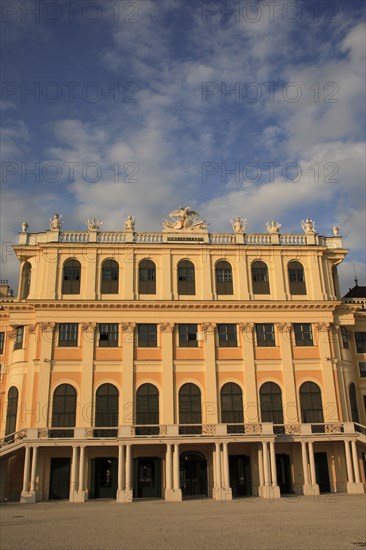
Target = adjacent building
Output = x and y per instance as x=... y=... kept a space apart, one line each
x=181 y=363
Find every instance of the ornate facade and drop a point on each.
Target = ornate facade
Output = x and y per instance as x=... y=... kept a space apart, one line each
x=181 y=363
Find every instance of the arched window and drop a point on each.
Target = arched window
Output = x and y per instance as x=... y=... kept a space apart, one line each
x=311 y=403
x=25 y=281
x=260 y=278
x=296 y=278
x=147 y=409
x=63 y=410
x=353 y=402
x=11 y=413
x=190 y=409
x=186 y=279
x=71 y=277
x=147 y=277
x=106 y=410
x=109 y=282
x=232 y=407
x=271 y=403
x=224 y=278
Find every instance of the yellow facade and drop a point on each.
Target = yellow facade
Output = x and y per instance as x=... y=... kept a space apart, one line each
x=206 y=357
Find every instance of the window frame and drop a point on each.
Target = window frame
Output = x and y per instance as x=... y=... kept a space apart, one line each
x=71 y=285
x=67 y=342
x=362 y=370
x=112 y=335
x=360 y=341
x=19 y=337
x=189 y=331
x=297 y=283
x=224 y=278
x=147 y=284
x=109 y=285
x=345 y=339
x=186 y=286
x=2 y=342
x=143 y=340
x=260 y=277
x=264 y=342
x=303 y=342
x=222 y=331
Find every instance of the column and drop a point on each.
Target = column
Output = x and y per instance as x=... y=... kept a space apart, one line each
x=127 y=373
x=227 y=488
x=290 y=397
x=129 y=469
x=34 y=470
x=355 y=462
x=172 y=489
x=348 y=462
x=86 y=390
x=218 y=489
x=267 y=489
x=313 y=483
x=330 y=403
x=164 y=277
x=124 y=490
x=129 y=279
x=250 y=386
x=47 y=336
x=275 y=487
x=210 y=409
x=167 y=333
x=80 y=496
x=88 y=285
x=206 y=275
x=276 y=269
x=74 y=465
x=26 y=472
x=305 y=465
x=260 y=470
x=177 y=493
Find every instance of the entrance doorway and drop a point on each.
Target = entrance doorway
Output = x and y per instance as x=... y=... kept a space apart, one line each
x=283 y=468
x=240 y=479
x=147 y=478
x=103 y=477
x=60 y=478
x=322 y=472
x=193 y=474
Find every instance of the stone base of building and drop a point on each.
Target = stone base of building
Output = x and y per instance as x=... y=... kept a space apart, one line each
x=219 y=493
x=28 y=497
x=173 y=495
x=270 y=491
x=124 y=496
x=355 y=488
x=80 y=496
x=310 y=490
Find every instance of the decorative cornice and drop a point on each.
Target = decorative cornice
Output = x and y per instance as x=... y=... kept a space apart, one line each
x=47 y=326
x=246 y=327
x=166 y=327
x=208 y=327
x=128 y=327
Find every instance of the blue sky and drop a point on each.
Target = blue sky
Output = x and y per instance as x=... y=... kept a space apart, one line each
x=251 y=108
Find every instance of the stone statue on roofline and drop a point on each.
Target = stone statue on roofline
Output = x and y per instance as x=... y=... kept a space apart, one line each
x=308 y=226
x=130 y=223
x=273 y=227
x=94 y=224
x=184 y=219
x=56 y=222
x=239 y=224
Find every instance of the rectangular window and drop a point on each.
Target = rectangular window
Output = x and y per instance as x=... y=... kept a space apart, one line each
x=362 y=366
x=188 y=336
x=68 y=334
x=18 y=340
x=303 y=334
x=147 y=336
x=265 y=334
x=108 y=335
x=360 y=338
x=2 y=341
x=227 y=336
x=344 y=335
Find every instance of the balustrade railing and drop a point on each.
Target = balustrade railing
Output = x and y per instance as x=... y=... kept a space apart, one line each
x=74 y=237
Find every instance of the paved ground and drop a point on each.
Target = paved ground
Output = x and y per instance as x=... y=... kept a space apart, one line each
x=329 y=522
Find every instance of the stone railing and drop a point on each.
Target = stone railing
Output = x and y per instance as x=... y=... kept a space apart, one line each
x=148 y=238
x=112 y=237
x=74 y=237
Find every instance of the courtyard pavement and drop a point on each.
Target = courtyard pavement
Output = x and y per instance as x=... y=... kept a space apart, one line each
x=326 y=522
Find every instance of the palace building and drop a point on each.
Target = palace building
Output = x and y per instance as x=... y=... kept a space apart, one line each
x=181 y=363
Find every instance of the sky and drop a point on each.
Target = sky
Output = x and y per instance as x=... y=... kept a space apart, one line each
x=242 y=108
